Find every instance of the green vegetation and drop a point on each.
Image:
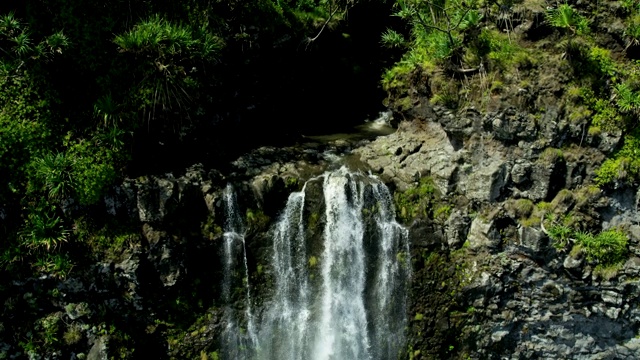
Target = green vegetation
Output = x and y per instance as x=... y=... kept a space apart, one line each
x=82 y=84
x=166 y=54
x=417 y=201
x=313 y=261
x=437 y=29
x=522 y=209
x=256 y=219
x=566 y=17
x=624 y=165
x=607 y=248
x=550 y=156
x=450 y=40
x=89 y=91
x=90 y=88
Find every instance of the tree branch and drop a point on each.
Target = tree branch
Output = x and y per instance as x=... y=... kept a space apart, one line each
x=461 y=19
x=331 y=15
x=427 y=26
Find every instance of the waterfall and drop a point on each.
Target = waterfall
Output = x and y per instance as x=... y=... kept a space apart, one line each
x=237 y=339
x=341 y=294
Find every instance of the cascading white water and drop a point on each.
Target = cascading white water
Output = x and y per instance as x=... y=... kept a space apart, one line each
x=389 y=292
x=283 y=330
x=347 y=300
x=241 y=341
x=342 y=326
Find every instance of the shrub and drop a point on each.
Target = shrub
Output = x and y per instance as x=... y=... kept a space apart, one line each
x=163 y=38
x=44 y=230
x=607 y=248
x=632 y=32
x=54 y=173
x=561 y=235
x=392 y=39
x=601 y=61
x=503 y=53
x=627 y=99
x=566 y=17
x=73 y=335
x=94 y=170
x=165 y=54
x=624 y=165
x=57 y=265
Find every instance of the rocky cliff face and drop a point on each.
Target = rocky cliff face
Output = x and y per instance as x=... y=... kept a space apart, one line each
x=488 y=281
x=475 y=191
x=512 y=291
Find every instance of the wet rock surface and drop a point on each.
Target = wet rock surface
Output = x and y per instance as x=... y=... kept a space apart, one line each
x=509 y=293
x=487 y=281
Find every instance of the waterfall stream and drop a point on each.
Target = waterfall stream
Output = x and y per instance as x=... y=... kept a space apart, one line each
x=235 y=338
x=340 y=298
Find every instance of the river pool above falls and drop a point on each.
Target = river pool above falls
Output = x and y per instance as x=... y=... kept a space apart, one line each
x=370 y=129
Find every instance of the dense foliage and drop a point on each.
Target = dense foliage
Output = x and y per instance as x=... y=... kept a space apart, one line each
x=85 y=84
x=92 y=91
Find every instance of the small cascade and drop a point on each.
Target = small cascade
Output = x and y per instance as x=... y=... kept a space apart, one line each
x=341 y=331
x=238 y=339
x=283 y=331
x=389 y=288
x=339 y=294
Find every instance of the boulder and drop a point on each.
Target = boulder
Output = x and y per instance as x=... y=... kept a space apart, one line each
x=487 y=182
x=99 y=349
x=456 y=229
x=424 y=152
x=532 y=239
x=165 y=254
x=483 y=235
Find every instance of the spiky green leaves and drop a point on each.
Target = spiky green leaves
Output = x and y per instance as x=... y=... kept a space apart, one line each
x=10 y=25
x=56 y=42
x=165 y=39
x=392 y=39
x=166 y=54
x=44 y=230
x=566 y=17
x=83 y=171
x=607 y=248
x=106 y=110
x=54 y=173
x=23 y=48
x=627 y=99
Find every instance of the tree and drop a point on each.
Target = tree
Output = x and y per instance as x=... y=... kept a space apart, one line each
x=166 y=54
x=439 y=23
